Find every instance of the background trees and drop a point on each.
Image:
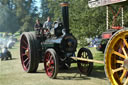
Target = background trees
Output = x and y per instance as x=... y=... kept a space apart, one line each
x=8 y=21
x=20 y=15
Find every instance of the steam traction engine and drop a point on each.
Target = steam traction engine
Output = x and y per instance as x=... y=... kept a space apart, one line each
x=56 y=51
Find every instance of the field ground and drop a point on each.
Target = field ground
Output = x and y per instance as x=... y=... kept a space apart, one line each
x=11 y=73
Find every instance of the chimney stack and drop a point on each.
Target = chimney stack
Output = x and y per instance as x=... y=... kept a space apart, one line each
x=65 y=15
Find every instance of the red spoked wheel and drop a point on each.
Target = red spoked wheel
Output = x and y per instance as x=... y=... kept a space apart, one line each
x=28 y=52
x=84 y=66
x=51 y=63
x=25 y=59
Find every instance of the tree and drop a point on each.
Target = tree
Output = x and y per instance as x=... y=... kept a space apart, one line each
x=8 y=22
x=24 y=11
x=44 y=10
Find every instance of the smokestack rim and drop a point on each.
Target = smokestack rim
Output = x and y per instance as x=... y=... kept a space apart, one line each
x=64 y=4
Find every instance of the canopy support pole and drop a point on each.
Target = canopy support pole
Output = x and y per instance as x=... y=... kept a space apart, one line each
x=107 y=20
x=122 y=16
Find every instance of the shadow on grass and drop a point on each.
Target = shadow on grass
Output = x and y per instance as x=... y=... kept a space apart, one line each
x=97 y=72
x=14 y=58
x=71 y=74
x=9 y=59
x=70 y=70
x=75 y=77
x=40 y=71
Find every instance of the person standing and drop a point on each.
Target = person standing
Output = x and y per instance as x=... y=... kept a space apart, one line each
x=48 y=24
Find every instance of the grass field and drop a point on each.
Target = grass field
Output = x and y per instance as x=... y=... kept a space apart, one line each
x=11 y=73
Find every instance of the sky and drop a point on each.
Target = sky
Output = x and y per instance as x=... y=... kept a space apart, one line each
x=38 y=4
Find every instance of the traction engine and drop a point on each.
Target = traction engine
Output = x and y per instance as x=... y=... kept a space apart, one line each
x=56 y=51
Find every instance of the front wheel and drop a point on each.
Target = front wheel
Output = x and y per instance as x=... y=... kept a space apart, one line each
x=51 y=63
x=85 y=67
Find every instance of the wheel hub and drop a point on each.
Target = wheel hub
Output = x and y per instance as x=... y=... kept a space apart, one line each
x=126 y=64
x=27 y=52
x=48 y=63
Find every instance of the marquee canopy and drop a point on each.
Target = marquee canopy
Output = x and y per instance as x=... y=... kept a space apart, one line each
x=97 y=3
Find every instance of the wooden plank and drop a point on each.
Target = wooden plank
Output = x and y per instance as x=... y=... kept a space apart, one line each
x=89 y=60
x=97 y=3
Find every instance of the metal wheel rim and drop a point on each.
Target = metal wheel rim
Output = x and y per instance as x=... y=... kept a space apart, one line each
x=83 y=65
x=49 y=64
x=116 y=56
x=25 y=55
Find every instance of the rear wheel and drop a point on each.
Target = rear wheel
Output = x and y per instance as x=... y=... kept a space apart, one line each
x=29 y=52
x=51 y=63
x=84 y=66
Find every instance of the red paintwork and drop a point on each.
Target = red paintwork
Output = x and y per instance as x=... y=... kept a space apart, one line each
x=49 y=64
x=25 y=58
x=117 y=27
x=106 y=36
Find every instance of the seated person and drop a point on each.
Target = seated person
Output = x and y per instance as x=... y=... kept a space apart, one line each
x=38 y=28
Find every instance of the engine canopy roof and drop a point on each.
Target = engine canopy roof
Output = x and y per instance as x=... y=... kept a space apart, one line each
x=98 y=3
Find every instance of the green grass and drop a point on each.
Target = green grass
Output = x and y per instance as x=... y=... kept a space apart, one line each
x=98 y=55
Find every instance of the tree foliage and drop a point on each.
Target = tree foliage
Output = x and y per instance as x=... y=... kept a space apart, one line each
x=24 y=11
x=84 y=21
x=8 y=22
